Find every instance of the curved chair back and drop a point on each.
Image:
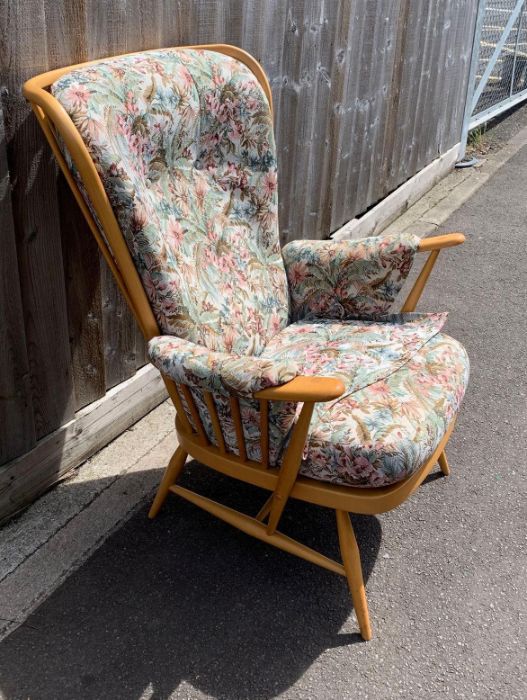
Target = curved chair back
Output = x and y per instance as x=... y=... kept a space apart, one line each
x=85 y=181
x=93 y=199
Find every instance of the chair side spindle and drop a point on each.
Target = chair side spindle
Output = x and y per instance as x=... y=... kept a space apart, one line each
x=187 y=394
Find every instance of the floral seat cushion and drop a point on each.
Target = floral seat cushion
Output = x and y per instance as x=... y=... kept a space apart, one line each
x=383 y=432
x=404 y=382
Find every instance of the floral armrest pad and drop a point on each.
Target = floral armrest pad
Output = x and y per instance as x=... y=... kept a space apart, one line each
x=341 y=279
x=196 y=366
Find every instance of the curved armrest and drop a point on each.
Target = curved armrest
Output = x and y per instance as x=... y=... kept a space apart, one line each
x=196 y=366
x=446 y=240
x=302 y=388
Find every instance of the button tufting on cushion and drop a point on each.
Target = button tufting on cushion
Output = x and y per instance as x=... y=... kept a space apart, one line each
x=183 y=140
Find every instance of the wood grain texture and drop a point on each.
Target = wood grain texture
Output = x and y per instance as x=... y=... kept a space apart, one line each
x=35 y=210
x=366 y=95
x=67 y=42
x=83 y=297
x=17 y=430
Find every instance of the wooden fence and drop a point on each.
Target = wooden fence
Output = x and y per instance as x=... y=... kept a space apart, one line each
x=366 y=94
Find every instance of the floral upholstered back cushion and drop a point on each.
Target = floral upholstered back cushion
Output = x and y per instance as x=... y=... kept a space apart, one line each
x=183 y=141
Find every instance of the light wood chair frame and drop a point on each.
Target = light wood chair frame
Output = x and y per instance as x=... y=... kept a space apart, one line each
x=284 y=482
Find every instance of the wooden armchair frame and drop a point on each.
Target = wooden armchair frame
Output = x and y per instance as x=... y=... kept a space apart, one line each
x=284 y=482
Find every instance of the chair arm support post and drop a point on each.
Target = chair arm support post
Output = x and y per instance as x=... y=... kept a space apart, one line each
x=433 y=245
x=290 y=467
x=420 y=282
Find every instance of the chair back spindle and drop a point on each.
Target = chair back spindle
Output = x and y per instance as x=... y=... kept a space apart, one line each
x=264 y=431
x=238 y=426
x=216 y=425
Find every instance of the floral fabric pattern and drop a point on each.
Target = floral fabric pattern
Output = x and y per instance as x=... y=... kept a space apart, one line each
x=339 y=279
x=183 y=142
x=383 y=433
x=196 y=366
x=357 y=351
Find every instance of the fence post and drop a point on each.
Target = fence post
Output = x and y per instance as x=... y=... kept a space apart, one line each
x=518 y=33
x=474 y=60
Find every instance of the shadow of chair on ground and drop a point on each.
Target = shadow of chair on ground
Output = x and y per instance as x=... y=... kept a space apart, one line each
x=186 y=599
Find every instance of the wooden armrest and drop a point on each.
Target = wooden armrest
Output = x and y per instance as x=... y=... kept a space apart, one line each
x=447 y=240
x=305 y=389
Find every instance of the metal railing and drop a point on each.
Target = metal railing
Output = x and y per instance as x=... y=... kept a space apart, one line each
x=498 y=72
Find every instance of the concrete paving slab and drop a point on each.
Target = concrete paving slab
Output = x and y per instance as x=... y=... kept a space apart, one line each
x=46 y=543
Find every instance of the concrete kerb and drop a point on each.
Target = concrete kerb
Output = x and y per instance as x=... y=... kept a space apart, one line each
x=52 y=538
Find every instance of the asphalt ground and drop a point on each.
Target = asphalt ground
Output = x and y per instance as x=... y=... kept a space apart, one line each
x=187 y=607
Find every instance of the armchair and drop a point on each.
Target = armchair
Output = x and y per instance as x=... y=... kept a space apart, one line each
x=288 y=368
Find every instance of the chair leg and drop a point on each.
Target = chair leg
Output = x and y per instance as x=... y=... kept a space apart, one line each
x=443 y=463
x=352 y=565
x=172 y=472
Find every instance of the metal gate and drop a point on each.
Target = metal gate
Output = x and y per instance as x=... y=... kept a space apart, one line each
x=498 y=72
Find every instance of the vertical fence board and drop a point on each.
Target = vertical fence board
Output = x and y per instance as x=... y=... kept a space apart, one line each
x=463 y=21
x=115 y=28
x=17 y=431
x=36 y=217
x=342 y=135
x=82 y=273
x=67 y=42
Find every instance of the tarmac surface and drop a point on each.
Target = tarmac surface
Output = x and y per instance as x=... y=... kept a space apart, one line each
x=187 y=607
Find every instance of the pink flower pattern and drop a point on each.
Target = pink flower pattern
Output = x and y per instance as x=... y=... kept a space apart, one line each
x=339 y=279
x=184 y=144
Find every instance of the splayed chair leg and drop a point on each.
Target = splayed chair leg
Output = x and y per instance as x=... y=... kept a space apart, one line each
x=351 y=559
x=172 y=472
x=443 y=463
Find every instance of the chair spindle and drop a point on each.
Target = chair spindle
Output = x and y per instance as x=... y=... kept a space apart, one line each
x=264 y=431
x=238 y=426
x=174 y=390
x=187 y=394
x=216 y=426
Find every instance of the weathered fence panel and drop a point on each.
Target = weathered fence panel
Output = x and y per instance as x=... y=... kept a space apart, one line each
x=366 y=94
